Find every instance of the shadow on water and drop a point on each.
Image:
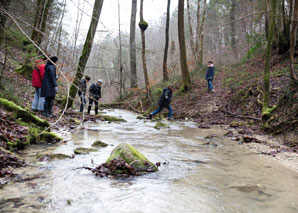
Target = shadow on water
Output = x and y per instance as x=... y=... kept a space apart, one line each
x=205 y=172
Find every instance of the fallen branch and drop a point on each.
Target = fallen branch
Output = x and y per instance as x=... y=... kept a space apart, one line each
x=240 y=116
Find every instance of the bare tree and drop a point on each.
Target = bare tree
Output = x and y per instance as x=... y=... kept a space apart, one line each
x=132 y=45
x=165 y=57
x=4 y=5
x=293 y=40
x=190 y=30
x=86 y=51
x=143 y=26
x=265 y=109
x=183 y=59
x=120 y=54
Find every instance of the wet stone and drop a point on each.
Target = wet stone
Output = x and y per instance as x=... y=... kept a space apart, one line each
x=83 y=150
x=99 y=144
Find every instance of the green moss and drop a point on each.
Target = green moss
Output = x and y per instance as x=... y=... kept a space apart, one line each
x=132 y=157
x=267 y=112
x=25 y=70
x=75 y=121
x=143 y=25
x=141 y=117
x=238 y=123
x=99 y=144
x=160 y=125
x=19 y=112
x=50 y=157
x=49 y=137
x=83 y=150
x=112 y=118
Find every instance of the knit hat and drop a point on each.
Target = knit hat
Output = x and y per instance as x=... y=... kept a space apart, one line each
x=54 y=59
x=99 y=80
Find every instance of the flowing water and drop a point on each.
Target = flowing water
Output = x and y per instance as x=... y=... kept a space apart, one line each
x=221 y=176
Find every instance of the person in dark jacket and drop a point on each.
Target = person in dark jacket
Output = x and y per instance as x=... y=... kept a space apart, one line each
x=210 y=75
x=94 y=95
x=37 y=77
x=82 y=92
x=49 y=87
x=164 y=101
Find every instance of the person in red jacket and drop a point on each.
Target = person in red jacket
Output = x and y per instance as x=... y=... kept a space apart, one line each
x=37 y=77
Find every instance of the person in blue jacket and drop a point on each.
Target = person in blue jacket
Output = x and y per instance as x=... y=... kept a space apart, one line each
x=49 y=86
x=210 y=75
x=164 y=101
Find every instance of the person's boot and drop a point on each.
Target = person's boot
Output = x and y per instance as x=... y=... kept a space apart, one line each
x=89 y=109
x=150 y=116
x=96 y=110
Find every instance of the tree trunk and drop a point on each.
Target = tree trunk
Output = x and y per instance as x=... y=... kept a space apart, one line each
x=37 y=19
x=183 y=59
x=267 y=61
x=120 y=53
x=165 y=57
x=3 y=17
x=198 y=33
x=44 y=21
x=190 y=30
x=86 y=51
x=293 y=41
x=202 y=35
x=132 y=46
x=143 y=50
x=232 y=25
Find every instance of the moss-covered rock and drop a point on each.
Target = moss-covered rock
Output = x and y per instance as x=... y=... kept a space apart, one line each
x=160 y=125
x=49 y=137
x=50 y=157
x=75 y=121
x=19 y=112
x=238 y=123
x=83 y=150
x=112 y=118
x=141 y=117
x=99 y=144
x=132 y=157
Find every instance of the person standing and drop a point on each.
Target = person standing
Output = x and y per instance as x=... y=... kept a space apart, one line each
x=164 y=101
x=37 y=77
x=49 y=87
x=94 y=95
x=82 y=92
x=210 y=75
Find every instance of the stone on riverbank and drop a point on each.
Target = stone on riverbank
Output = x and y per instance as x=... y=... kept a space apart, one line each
x=112 y=118
x=132 y=157
x=50 y=157
x=83 y=150
x=99 y=144
x=160 y=125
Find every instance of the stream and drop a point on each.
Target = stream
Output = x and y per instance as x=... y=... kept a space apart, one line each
x=221 y=176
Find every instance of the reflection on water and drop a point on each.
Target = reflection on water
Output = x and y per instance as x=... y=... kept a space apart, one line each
x=203 y=175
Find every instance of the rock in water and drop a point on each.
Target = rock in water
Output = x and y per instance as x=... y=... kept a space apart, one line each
x=132 y=157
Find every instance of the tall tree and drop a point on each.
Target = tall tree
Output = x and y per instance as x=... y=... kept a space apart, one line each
x=267 y=60
x=165 y=56
x=4 y=5
x=293 y=40
x=86 y=51
x=198 y=33
x=143 y=26
x=200 y=60
x=183 y=59
x=190 y=29
x=232 y=24
x=132 y=45
x=120 y=53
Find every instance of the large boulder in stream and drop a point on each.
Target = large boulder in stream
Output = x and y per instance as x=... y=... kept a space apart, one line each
x=132 y=157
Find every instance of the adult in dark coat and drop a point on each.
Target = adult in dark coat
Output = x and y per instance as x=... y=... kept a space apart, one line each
x=210 y=75
x=164 y=101
x=94 y=95
x=49 y=87
x=82 y=91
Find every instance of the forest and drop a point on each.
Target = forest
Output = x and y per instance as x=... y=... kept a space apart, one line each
x=230 y=67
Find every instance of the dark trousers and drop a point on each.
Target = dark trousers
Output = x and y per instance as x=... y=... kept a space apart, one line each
x=83 y=102
x=48 y=105
x=91 y=100
x=160 y=108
